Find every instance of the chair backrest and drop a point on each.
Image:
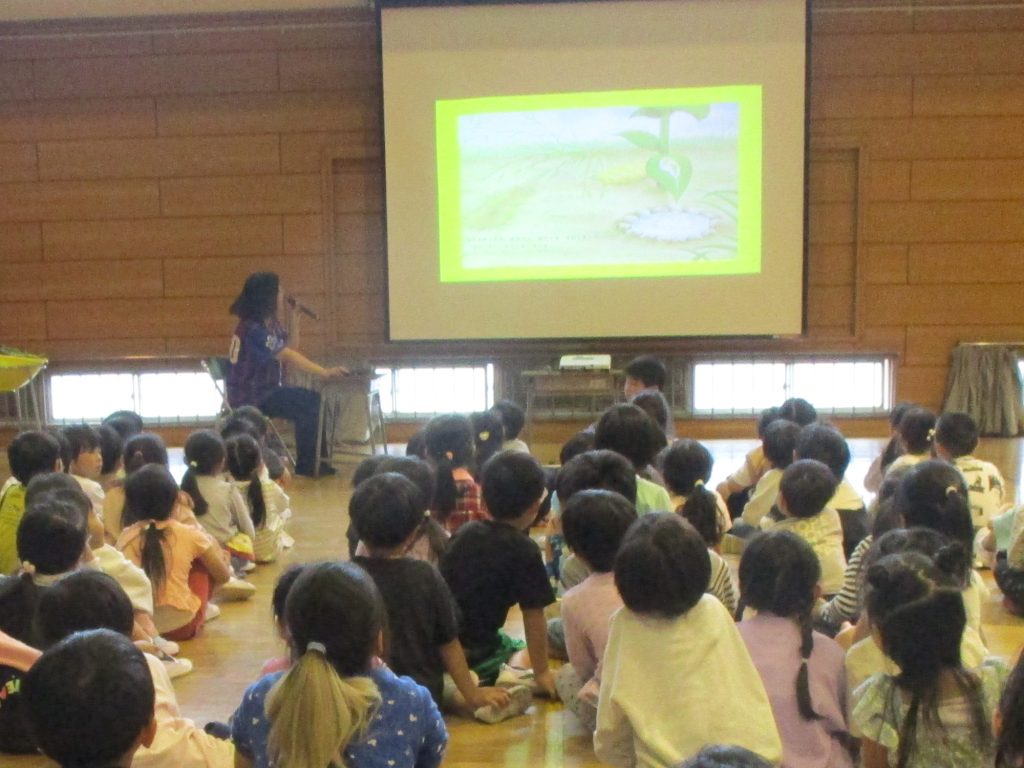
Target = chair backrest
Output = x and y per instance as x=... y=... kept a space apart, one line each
x=217 y=367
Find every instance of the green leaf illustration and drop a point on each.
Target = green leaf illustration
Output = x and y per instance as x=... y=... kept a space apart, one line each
x=665 y=171
x=641 y=139
x=699 y=111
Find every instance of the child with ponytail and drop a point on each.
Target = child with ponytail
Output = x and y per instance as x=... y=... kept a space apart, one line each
x=266 y=502
x=450 y=448
x=801 y=669
x=331 y=707
x=182 y=562
x=934 y=713
x=686 y=467
x=217 y=504
x=916 y=437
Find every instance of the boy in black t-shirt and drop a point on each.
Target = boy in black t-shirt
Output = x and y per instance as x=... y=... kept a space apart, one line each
x=493 y=564
x=422 y=633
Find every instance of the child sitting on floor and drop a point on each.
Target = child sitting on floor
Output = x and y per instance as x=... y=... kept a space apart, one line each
x=332 y=705
x=676 y=674
x=917 y=434
x=29 y=454
x=89 y=701
x=804 y=491
x=86 y=462
x=736 y=488
x=492 y=564
x=956 y=437
x=513 y=419
x=422 y=626
x=266 y=503
x=594 y=522
x=628 y=431
x=779 y=575
x=449 y=447
x=778 y=444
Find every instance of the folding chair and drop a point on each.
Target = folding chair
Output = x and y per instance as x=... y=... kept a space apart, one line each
x=217 y=369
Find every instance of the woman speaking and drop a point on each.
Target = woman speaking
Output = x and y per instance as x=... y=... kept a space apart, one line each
x=258 y=348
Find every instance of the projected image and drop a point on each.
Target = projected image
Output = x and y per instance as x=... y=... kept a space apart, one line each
x=600 y=185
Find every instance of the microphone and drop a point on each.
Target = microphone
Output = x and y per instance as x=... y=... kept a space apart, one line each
x=298 y=305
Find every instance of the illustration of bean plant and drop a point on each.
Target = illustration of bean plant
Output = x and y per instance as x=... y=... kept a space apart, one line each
x=671 y=171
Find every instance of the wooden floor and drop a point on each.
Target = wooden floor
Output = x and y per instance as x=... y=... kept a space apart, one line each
x=231 y=650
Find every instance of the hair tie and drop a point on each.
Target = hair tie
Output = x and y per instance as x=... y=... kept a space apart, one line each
x=803 y=661
x=27 y=567
x=315 y=647
x=931 y=435
x=449 y=455
x=698 y=484
x=951 y=490
x=194 y=464
x=484 y=436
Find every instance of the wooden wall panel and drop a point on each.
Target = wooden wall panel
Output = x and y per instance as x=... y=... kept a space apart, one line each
x=145 y=170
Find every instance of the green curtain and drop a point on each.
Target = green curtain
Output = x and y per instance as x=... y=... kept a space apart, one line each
x=984 y=382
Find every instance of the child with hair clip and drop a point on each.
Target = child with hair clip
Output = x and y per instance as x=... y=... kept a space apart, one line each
x=216 y=503
x=956 y=437
x=29 y=454
x=332 y=705
x=267 y=505
x=676 y=674
x=934 y=713
x=183 y=563
x=933 y=495
x=89 y=701
x=429 y=541
x=139 y=450
x=687 y=467
x=450 y=448
x=422 y=636
x=917 y=435
x=513 y=419
x=865 y=657
x=595 y=522
x=802 y=670
x=488 y=437
x=86 y=461
x=1009 y=721
x=89 y=600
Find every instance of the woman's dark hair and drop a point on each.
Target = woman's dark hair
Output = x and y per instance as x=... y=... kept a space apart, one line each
x=244 y=458
x=806 y=487
x=725 y=757
x=594 y=523
x=917 y=430
x=920 y=615
x=204 y=455
x=799 y=410
x=513 y=418
x=32 y=453
x=933 y=494
x=150 y=493
x=111 y=447
x=662 y=549
x=511 y=483
x=686 y=467
x=88 y=699
x=126 y=423
x=957 y=433
x=144 y=448
x=52 y=535
x=579 y=443
x=1010 y=742
x=258 y=299
x=607 y=470
x=488 y=437
x=386 y=509
x=779 y=442
x=283 y=587
x=81 y=601
x=826 y=444
x=629 y=431
x=778 y=574
x=449 y=441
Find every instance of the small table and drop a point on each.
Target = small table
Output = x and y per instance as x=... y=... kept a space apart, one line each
x=335 y=396
x=19 y=377
x=600 y=388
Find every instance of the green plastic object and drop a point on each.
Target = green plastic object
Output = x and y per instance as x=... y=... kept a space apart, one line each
x=18 y=368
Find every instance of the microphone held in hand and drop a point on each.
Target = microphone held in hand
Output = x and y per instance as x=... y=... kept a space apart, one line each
x=298 y=305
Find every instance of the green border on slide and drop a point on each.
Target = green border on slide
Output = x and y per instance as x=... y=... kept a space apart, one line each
x=748 y=223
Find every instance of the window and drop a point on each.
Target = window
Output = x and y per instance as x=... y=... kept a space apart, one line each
x=157 y=396
x=837 y=386
x=416 y=392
